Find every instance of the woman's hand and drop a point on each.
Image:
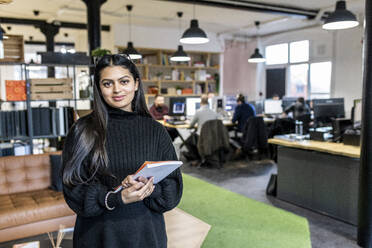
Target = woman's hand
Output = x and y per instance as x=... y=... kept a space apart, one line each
x=136 y=190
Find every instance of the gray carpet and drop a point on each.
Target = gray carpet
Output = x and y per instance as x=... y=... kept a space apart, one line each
x=250 y=178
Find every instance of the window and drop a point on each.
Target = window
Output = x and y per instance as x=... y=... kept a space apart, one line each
x=277 y=54
x=299 y=51
x=320 y=78
x=298 y=85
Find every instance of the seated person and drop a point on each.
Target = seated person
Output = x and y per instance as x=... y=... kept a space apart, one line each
x=242 y=112
x=201 y=116
x=159 y=111
x=297 y=109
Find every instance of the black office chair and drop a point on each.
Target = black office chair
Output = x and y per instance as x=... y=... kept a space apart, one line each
x=213 y=144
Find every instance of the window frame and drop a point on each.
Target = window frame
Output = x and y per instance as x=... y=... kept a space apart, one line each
x=309 y=62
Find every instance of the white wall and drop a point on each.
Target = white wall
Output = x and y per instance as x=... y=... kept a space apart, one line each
x=162 y=38
x=343 y=48
x=347 y=75
x=239 y=76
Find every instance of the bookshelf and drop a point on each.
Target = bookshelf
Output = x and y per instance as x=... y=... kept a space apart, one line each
x=26 y=122
x=160 y=75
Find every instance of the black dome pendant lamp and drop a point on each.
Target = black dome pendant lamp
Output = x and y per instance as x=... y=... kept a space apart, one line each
x=341 y=18
x=194 y=34
x=130 y=50
x=180 y=55
x=256 y=57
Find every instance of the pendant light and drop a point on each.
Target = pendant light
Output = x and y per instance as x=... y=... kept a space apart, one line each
x=194 y=35
x=130 y=50
x=180 y=55
x=256 y=57
x=341 y=18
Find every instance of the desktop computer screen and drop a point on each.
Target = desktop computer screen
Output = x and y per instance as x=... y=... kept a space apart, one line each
x=273 y=106
x=327 y=109
x=259 y=105
x=193 y=104
x=230 y=103
x=177 y=105
x=288 y=101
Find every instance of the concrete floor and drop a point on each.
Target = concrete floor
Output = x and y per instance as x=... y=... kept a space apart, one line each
x=250 y=178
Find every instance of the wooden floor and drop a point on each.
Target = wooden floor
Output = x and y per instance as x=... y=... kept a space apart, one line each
x=184 y=230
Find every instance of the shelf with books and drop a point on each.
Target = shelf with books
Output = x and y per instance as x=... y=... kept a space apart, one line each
x=19 y=120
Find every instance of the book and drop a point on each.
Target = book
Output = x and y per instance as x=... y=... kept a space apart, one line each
x=159 y=170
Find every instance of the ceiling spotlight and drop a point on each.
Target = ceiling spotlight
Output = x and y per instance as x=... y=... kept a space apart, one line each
x=36 y=12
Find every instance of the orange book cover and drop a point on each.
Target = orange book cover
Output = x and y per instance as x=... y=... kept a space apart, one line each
x=15 y=90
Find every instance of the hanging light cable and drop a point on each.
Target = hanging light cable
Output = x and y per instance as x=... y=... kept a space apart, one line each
x=180 y=54
x=194 y=34
x=341 y=18
x=130 y=50
x=256 y=57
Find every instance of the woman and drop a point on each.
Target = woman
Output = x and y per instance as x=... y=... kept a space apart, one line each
x=103 y=150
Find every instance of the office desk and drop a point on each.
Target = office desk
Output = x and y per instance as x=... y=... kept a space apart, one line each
x=320 y=176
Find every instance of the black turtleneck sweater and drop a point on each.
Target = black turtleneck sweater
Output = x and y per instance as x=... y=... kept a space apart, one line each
x=131 y=140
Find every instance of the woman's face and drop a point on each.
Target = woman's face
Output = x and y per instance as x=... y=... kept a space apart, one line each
x=118 y=87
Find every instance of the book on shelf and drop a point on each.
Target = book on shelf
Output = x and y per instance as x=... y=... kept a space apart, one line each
x=45 y=121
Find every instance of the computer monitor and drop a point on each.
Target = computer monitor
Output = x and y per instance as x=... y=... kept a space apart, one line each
x=327 y=109
x=193 y=104
x=273 y=106
x=177 y=106
x=230 y=103
x=217 y=103
x=288 y=101
x=357 y=113
x=259 y=105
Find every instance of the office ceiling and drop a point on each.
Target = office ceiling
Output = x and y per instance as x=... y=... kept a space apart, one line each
x=162 y=13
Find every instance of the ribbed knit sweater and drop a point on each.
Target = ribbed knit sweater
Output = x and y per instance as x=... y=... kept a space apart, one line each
x=131 y=140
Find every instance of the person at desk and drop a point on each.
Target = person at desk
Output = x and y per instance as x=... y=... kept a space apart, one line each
x=159 y=111
x=201 y=116
x=242 y=112
x=298 y=108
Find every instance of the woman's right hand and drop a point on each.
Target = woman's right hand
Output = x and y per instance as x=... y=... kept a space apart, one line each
x=137 y=191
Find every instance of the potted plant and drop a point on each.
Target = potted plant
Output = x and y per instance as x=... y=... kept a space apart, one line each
x=98 y=53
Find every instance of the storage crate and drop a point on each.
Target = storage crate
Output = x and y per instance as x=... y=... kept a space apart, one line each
x=51 y=89
x=13 y=49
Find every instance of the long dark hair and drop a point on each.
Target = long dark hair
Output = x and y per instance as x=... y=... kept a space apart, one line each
x=88 y=157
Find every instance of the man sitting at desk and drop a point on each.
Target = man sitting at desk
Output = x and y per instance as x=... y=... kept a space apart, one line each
x=201 y=116
x=242 y=112
x=159 y=111
x=297 y=109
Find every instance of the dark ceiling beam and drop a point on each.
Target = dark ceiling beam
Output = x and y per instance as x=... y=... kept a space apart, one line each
x=29 y=42
x=255 y=7
x=35 y=22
